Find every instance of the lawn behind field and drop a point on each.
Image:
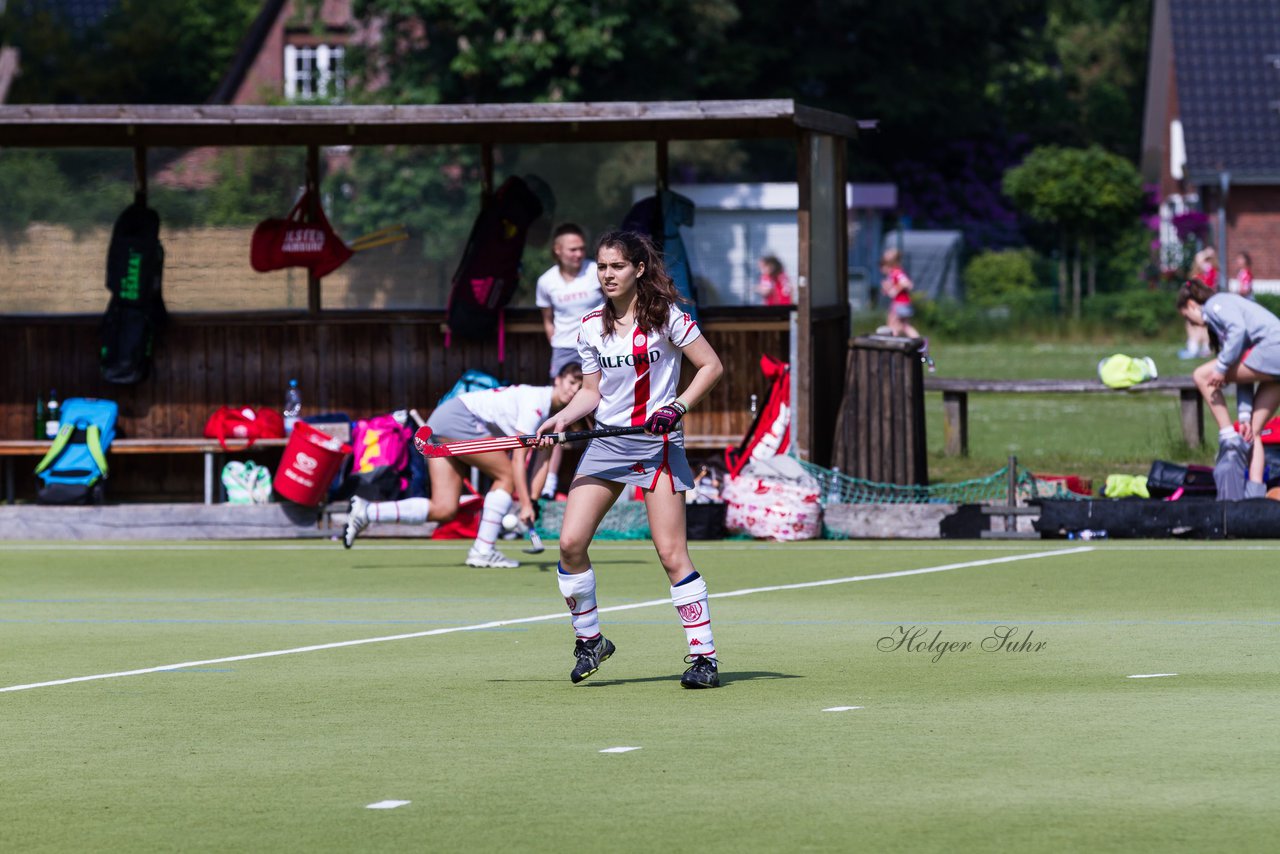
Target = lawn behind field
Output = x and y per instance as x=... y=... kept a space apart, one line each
x=1089 y=434
x=1044 y=744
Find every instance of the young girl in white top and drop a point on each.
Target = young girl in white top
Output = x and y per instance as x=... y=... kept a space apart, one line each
x=631 y=350
x=514 y=410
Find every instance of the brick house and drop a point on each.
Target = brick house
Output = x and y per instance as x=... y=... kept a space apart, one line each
x=1211 y=128
x=287 y=55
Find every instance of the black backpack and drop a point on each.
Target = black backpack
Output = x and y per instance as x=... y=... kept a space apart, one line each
x=136 y=313
x=489 y=272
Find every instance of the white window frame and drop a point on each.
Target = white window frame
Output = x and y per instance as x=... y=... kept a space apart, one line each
x=313 y=71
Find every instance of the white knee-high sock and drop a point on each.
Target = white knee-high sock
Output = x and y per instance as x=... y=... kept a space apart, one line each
x=690 y=599
x=579 y=592
x=496 y=505
x=410 y=511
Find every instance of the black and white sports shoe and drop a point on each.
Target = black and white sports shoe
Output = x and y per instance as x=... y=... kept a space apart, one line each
x=590 y=654
x=357 y=520
x=702 y=673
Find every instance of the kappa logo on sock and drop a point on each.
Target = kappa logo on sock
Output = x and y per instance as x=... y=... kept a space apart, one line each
x=571 y=602
x=638 y=468
x=691 y=612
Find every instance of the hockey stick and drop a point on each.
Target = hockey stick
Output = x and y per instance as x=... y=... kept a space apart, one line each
x=422 y=441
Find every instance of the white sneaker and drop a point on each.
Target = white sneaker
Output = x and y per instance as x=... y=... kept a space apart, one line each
x=492 y=558
x=357 y=520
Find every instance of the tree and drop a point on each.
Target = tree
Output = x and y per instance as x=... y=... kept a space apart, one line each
x=1086 y=195
x=129 y=56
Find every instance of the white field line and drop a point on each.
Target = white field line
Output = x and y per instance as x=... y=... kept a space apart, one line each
x=494 y=624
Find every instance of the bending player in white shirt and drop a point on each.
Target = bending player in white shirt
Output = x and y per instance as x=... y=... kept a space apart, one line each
x=515 y=410
x=631 y=351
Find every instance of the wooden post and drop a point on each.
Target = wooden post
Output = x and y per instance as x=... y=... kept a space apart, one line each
x=802 y=366
x=1011 y=521
x=955 y=423
x=313 y=193
x=486 y=173
x=140 y=174
x=1013 y=481
x=1192 y=416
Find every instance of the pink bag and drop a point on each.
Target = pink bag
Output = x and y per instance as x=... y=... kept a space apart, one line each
x=382 y=443
x=774 y=500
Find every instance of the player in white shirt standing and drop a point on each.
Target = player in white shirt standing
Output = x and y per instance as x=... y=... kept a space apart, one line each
x=566 y=292
x=514 y=410
x=631 y=350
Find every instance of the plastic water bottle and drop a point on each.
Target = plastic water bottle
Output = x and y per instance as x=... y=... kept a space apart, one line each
x=40 y=416
x=52 y=417
x=292 y=406
x=833 y=489
x=754 y=405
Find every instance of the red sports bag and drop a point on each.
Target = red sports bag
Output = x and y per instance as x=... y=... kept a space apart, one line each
x=247 y=423
x=296 y=242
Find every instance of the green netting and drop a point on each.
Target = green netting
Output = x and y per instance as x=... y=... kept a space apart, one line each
x=838 y=488
x=626 y=520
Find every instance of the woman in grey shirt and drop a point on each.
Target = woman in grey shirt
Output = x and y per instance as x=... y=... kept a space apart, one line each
x=1247 y=339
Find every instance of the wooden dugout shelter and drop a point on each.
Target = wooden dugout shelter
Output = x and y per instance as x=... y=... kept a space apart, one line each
x=365 y=362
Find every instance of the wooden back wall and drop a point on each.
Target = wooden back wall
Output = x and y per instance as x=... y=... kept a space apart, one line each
x=359 y=364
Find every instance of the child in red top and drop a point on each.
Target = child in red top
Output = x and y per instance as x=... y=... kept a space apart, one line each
x=1206 y=267
x=1244 y=274
x=896 y=285
x=774 y=286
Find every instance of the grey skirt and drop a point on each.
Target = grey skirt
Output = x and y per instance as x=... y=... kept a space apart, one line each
x=1265 y=359
x=561 y=356
x=638 y=460
x=452 y=420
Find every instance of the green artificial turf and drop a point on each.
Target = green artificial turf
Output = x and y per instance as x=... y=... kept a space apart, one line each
x=1044 y=749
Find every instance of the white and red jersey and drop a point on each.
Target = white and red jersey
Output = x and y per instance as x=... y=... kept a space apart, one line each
x=514 y=410
x=638 y=372
x=899 y=285
x=568 y=300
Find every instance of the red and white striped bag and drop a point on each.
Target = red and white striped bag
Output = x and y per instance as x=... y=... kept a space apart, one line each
x=774 y=499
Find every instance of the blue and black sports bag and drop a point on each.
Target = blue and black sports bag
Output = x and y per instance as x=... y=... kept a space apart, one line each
x=76 y=464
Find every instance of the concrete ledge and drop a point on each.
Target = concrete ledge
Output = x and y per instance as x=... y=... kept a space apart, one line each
x=188 y=522
x=160 y=522
x=887 y=521
x=288 y=521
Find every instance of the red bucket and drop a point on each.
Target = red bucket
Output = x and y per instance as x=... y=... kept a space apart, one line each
x=308 y=465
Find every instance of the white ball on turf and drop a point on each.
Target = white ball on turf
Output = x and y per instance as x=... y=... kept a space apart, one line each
x=510 y=521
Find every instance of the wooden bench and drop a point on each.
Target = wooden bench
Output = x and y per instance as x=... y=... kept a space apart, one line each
x=10 y=449
x=955 y=402
x=13 y=448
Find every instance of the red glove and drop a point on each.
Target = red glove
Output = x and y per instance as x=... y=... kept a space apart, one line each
x=665 y=419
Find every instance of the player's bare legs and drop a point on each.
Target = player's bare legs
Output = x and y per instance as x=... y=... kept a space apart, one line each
x=447 y=475
x=589 y=499
x=666 y=511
